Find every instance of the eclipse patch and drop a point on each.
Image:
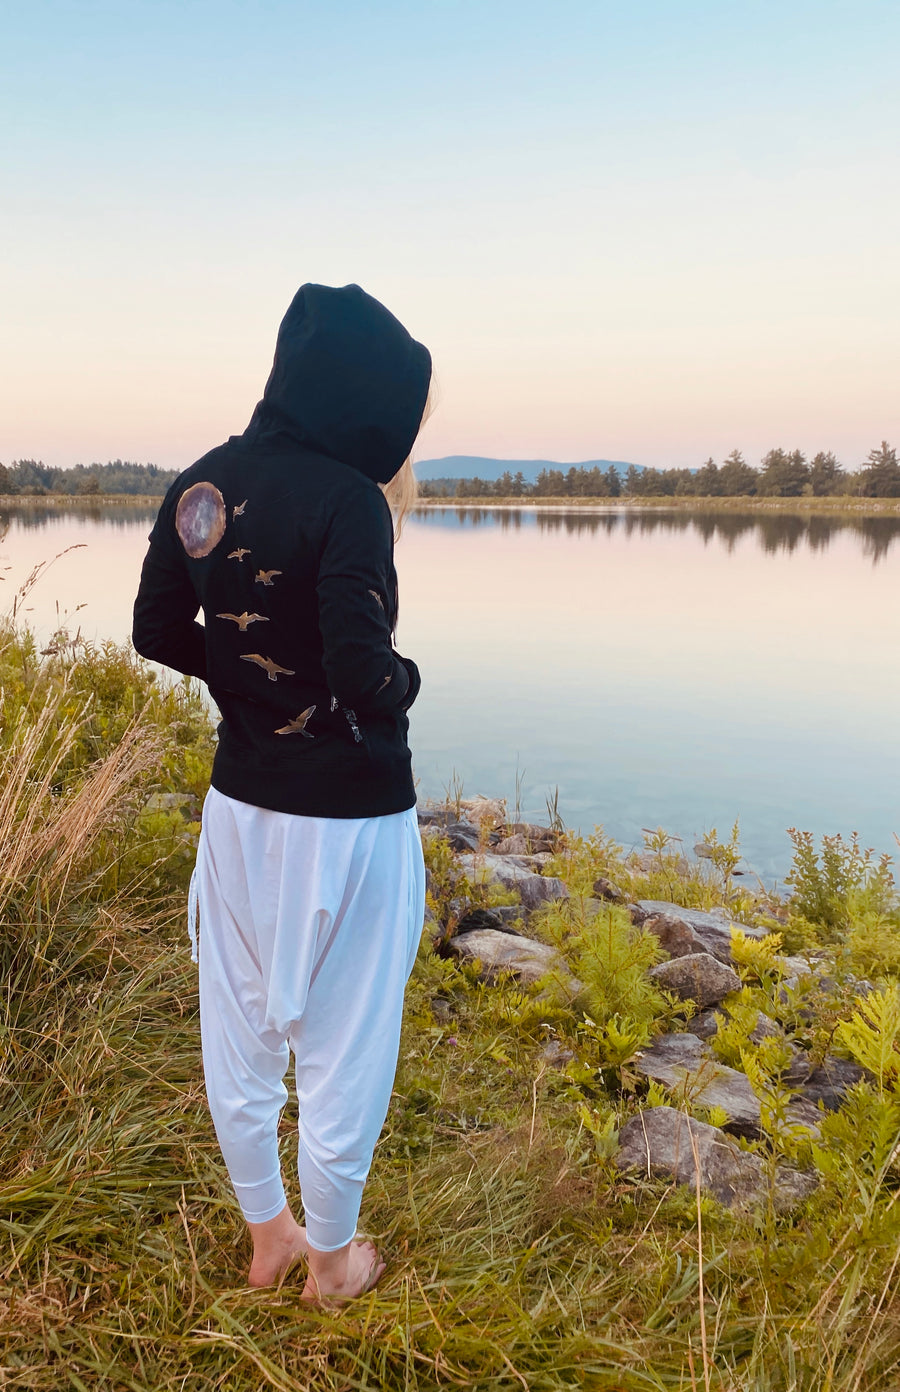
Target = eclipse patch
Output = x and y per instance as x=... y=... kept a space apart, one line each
x=200 y=519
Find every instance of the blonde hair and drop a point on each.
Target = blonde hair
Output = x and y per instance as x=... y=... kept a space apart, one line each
x=403 y=489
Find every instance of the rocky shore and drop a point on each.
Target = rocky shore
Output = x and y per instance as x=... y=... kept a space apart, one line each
x=523 y=863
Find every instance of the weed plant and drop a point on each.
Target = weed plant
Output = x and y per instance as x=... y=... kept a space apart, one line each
x=518 y=1256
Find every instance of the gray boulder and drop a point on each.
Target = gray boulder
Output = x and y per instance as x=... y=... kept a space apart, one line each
x=828 y=1084
x=462 y=836
x=697 y=977
x=539 y=838
x=663 y=1141
x=524 y=958
x=500 y=870
x=605 y=889
x=556 y=1055
x=512 y=845
x=687 y=1066
x=704 y=1024
x=682 y=931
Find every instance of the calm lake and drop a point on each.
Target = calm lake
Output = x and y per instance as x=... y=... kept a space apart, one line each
x=659 y=669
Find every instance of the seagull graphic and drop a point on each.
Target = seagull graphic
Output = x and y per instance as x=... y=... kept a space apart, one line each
x=239 y=554
x=244 y=620
x=297 y=726
x=264 y=577
x=238 y=509
x=377 y=598
x=271 y=668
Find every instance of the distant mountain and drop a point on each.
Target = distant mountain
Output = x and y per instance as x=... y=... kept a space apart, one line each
x=457 y=466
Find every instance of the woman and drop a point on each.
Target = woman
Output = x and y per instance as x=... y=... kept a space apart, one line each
x=309 y=870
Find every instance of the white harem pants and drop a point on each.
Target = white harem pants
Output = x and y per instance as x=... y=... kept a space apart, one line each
x=309 y=928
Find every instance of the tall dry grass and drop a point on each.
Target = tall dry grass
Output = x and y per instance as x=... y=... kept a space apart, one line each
x=517 y=1257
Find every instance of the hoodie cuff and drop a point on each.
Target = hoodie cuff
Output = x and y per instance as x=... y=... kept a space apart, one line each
x=415 y=682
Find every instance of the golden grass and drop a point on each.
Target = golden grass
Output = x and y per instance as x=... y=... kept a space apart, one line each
x=517 y=1256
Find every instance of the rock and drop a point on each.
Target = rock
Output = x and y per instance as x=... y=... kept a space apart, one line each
x=662 y=1141
x=688 y=1066
x=493 y=869
x=501 y=919
x=765 y=1028
x=462 y=836
x=676 y=937
x=526 y=959
x=556 y=1055
x=605 y=889
x=537 y=861
x=512 y=845
x=704 y=1025
x=442 y=1010
x=539 y=837
x=696 y=977
x=710 y=931
x=830 y=1082
x=798 y=1070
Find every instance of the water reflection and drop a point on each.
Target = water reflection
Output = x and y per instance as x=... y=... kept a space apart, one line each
x=36 y=517
x=666 y=667
x=775 y=532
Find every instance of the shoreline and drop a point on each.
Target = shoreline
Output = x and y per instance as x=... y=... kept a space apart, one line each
x=19 y=500
x=839 y=505
x=858 y=507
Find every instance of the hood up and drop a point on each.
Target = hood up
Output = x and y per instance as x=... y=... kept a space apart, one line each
x=348 y=381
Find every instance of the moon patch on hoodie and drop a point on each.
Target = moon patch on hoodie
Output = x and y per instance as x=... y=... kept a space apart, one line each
x=200 y=519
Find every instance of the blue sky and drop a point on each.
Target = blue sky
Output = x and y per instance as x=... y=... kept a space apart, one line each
x=645 y=232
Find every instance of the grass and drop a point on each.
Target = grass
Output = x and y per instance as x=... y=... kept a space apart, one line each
x=518 y=1257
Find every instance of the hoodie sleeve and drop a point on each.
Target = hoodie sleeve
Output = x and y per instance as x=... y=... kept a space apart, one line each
x=166 y=607
x=354 y=595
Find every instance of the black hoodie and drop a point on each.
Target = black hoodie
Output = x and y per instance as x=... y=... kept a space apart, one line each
x=284 y=539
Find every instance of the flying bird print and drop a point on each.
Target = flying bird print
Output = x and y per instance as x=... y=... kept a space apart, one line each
x=244 y=620
x=239 y=554
x=238 y=509
x=271 y=668
x=377 y=598
x=297 y=726
x=264 y=577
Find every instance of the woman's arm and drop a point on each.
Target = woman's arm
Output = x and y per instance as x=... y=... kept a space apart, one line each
x=165 y=612
x=362 y=669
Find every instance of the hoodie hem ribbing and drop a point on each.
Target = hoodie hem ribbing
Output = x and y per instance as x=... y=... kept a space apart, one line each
x=313 y=792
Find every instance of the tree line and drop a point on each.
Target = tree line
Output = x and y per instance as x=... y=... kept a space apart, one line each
x=780 y=474
x=32 y=478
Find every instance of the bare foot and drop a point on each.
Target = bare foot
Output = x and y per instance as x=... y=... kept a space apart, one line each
x=335 y=1277
x=277 y=1246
